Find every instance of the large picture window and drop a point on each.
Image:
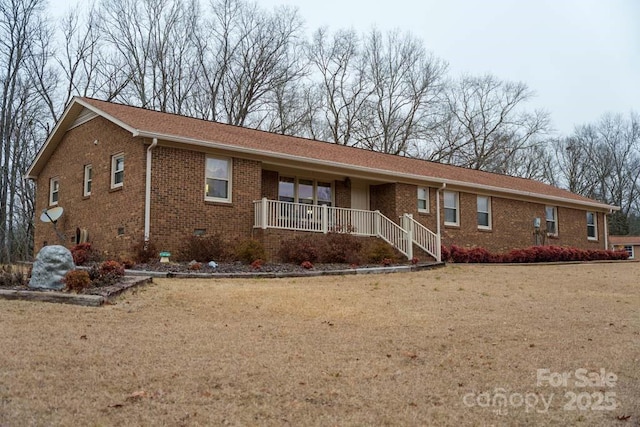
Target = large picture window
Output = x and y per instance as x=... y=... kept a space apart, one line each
x=306 y=191
x=451 y=208
x=218 y=179
x=592 y=226
x=551 y=216
x=484 y=212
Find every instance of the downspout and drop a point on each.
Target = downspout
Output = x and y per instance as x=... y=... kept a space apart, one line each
x=147 y=191
x=606 y=229
x=444 y=185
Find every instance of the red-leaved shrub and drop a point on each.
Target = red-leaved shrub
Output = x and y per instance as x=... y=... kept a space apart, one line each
x=530 y=255
x=298 y=250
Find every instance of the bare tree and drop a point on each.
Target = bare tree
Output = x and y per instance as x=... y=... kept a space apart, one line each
x=405 y=83
x=154 y=40
x=341 y=92
x=602 y=161
x=23 y=36
x=484 y=126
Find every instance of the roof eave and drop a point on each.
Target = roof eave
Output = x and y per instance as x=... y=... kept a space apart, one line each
x=378 y=172
x=63 y=124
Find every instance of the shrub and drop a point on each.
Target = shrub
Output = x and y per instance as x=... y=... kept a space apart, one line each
x=306 y=264
x=111 y=267
x=10 y=278
x=144 y=252
x=127 y=263
x=414 y=260
x=379 y=250
x=387 y=262
x=445 y=254
x=257 y=264
x=195 y=266
x=83 y=253
x=299 y=249
x=340 y=248
x=203 y=249
x=250 y=250
x=532 y=254
x=77 y=280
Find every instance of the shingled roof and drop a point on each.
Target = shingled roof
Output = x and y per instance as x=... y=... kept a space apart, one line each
x=173 y=127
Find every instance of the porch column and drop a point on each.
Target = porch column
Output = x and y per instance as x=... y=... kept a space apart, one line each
x=264 y=210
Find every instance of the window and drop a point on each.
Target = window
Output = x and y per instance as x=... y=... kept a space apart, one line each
x=287 y=189
x=306 y=191
x=629 y=250
x=592 y=226
x=451 y=201
x=54 y=187
x=324 y=195
x=484 y=212
x=117 y=170
x=88 y=176
x=551 y=216
x=423 y=199
x=218 y=180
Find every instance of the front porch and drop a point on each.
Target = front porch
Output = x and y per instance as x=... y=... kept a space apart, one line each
x=321 y=218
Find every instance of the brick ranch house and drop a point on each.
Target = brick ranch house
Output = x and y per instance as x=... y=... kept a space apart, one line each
x=123 y=174
x=630 y=244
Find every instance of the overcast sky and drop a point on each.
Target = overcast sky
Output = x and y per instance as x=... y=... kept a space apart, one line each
x=581 y=57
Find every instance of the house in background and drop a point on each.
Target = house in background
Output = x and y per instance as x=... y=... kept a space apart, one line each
x=630 y=244
x=124 y=174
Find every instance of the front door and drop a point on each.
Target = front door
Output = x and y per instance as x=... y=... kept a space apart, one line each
x=359 y=195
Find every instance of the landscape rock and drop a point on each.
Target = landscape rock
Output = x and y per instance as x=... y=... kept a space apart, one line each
x=50 y=266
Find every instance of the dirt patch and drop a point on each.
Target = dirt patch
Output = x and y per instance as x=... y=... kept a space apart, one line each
x=422 y=348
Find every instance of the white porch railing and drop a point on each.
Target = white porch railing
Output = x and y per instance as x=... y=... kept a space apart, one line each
x=323 y=219
x=426 y=239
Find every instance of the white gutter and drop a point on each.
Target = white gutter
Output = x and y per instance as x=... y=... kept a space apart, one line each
x=606 y=230
x=369 y=170
x=147 y=191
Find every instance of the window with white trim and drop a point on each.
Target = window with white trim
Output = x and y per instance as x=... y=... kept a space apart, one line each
x=451 y=208
x=484 y=212
x=88 y=177
x=54 y=188
x=117 y=170
x=592 y=226
x=306 y=191
x=551 y=217
x=629 y=250
x=218 y=179
x=423 y=199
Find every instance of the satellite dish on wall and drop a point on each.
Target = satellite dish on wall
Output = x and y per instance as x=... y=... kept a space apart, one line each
x=51 y=215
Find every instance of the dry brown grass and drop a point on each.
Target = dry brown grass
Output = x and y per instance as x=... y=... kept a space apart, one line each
x=400 y=349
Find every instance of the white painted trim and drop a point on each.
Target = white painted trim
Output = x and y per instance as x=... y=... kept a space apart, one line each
x=147 y=192
x=229 y=198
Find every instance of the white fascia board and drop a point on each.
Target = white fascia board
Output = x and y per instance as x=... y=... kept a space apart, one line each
x=369 y=171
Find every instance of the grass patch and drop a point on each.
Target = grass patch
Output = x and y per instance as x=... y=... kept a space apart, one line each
x=326 y=350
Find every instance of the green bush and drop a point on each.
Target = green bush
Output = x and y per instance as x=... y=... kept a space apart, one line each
x=379 y=250
x=250 y=250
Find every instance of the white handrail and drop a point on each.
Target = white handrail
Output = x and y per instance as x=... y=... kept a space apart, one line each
x=324 y=219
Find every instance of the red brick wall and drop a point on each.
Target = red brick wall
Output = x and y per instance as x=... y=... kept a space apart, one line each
x=106 y=210
x=512 y=226
x=343 y=194
x=178 y=206
x=270 y=184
